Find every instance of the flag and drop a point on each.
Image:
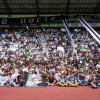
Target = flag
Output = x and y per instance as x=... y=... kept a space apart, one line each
x=37 y=53
x=41 y=36
x=83 y=49
x=30 y=53
x=15 y=33
x=37 y=36
x=25 y=53
x=75 y=42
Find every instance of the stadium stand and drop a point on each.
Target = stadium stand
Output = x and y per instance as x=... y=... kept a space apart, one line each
x=49 y=43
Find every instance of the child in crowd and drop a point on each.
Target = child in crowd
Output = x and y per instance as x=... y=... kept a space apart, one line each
x=72 y=81
x=62 y=81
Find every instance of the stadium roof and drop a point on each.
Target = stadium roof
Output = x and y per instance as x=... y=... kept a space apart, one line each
x=48 y=7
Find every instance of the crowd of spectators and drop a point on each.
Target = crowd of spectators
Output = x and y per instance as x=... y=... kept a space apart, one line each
x=50 y=54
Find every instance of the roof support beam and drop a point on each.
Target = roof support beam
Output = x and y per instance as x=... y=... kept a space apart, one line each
x=37 y=7
x=6 y=7
x=67 y=7
x=97 y=9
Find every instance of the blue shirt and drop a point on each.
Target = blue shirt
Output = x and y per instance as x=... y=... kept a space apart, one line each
x=72 y=79
x=62 y=80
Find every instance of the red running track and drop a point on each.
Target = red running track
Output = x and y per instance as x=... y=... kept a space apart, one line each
x=49 y=93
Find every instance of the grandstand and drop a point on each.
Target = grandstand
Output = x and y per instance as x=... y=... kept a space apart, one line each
x=49 y=49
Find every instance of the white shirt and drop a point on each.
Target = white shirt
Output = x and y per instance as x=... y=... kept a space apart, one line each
x=59 y=48
x=98 y=65
x=3 y=79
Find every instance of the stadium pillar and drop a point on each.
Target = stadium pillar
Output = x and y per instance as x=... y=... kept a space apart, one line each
x=67 y=7
x=37 y=7
x=68 y=31
x=90 y=29
x=6 y=7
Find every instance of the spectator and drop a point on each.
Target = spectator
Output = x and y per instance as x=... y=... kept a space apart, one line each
x=51 y=80
x=81 y=79
x=62 y=81
x=72 y=80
